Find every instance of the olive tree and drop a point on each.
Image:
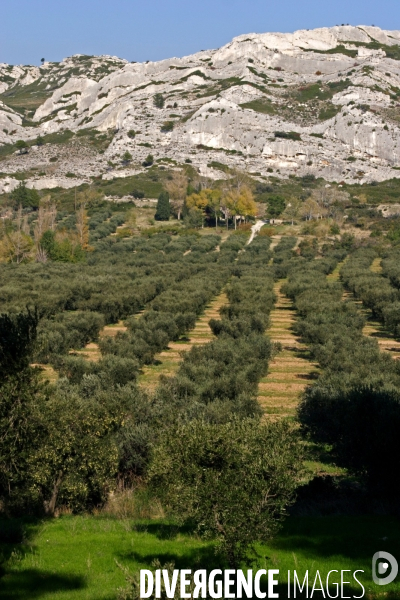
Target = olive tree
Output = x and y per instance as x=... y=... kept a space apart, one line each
x=52 y=444
x=234 y=481
x=362 y=426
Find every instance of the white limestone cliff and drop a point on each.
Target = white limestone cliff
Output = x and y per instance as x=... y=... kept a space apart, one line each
x=337 y=88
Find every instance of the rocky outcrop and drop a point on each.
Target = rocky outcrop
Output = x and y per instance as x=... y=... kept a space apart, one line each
x=325 y=101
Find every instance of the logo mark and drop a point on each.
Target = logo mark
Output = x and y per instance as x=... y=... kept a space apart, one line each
x=380 y=566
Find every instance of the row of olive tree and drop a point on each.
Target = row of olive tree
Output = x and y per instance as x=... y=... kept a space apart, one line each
x=215 y=463
x=353 y=406
x=174 y=312
x=374 y=290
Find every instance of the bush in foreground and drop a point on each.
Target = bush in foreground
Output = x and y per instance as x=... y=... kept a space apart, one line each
x=233 y=481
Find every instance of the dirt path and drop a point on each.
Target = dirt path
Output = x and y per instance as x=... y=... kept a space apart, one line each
x=335 y=275
x=275 y=239
x=291 y=370
x=168 y=361
x=254 y=230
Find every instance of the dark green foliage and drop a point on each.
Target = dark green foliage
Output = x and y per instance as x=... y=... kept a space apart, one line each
x=283 y=253
x=328 y=112
x=20 y=427
x=138 y=194
x=340 y=49
x=308 y=179
x=221 y=378
x=126 y=157
x=289 y=135
x=63 y=251
x=22 y=146
x=375 y=291
x=158 y=100
x=103 y=223
x=74 y=441
x=24 y=197
x=148 y=161
x=167 y=126
x=163 y=210
x=17 y=338
x=68 y=330
x=233 y=481
x=193 y=218
x=53 y=447
x=308 y=248
x=276 y=206
x=351 y=403
x=171 y=314
x=361 y=424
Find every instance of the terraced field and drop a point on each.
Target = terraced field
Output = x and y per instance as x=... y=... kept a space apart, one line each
x=167 y=362
x=291 y=370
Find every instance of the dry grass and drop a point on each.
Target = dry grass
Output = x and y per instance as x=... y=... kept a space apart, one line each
x=373 y=328
x=386 y=340
x=168 y=361
x=291 y=370
x=91 y=351
x=47 y=372
x=376 y=266
x=133 y=504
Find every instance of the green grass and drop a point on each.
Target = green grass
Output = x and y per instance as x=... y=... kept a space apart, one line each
x=74 y=557
x=329 y=111
x=150 y=182
x=6 y=150
x=314 y=91
x=58 y=138
x=262 y=106
x=27 y=97
x=338 y=50
x=214 y=164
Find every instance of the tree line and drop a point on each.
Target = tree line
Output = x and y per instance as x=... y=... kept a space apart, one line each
x=70 y=442
x=354 y=406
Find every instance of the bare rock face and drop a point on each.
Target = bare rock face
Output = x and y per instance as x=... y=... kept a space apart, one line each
x=325 y=101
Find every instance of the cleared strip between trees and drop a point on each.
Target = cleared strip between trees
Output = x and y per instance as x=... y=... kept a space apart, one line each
x=291 y=369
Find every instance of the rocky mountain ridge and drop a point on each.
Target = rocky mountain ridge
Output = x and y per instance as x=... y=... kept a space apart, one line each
x=324 y=101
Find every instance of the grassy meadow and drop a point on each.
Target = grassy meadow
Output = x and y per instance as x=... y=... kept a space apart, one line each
x=80 y=557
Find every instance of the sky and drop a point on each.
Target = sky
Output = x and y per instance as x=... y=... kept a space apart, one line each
x=143 y=30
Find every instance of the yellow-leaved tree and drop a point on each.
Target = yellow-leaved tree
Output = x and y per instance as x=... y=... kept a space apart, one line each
x=206 y=200
x=239 y=203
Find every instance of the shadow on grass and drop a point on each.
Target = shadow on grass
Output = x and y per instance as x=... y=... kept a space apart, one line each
x=14 y=533
x=36 y=583
x=199 y=558
x=164 y=531
x=33 y=583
